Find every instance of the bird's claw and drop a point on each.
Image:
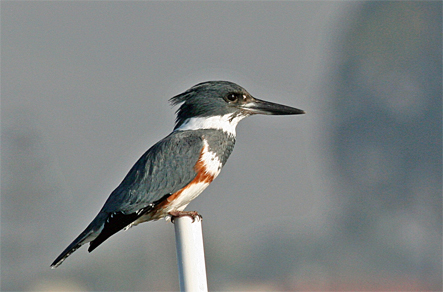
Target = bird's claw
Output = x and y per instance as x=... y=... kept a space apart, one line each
x=177 y=214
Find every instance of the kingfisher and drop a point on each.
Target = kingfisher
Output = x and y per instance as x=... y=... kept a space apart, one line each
x=174 y=171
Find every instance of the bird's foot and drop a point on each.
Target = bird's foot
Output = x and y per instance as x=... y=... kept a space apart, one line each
x=177 y=214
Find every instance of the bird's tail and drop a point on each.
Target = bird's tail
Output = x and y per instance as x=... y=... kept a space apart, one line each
x=89 y=234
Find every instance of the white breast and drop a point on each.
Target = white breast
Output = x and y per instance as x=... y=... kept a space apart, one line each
x=189 y=193
x=211 y=166
x=211 y=162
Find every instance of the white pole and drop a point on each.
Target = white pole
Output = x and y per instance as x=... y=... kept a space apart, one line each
x=190 y=254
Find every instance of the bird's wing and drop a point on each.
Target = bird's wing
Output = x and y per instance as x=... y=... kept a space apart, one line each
x=164 y=169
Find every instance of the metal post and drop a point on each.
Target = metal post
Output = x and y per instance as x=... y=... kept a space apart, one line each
x=190 y=254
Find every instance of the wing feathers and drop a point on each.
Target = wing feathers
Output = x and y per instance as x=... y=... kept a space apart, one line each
x=165 y=168
x=118 y=220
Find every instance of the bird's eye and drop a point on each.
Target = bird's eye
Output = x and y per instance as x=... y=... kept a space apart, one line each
x=232 y=97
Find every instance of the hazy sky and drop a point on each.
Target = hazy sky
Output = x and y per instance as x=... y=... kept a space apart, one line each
x=84 y=92
x=93 y=80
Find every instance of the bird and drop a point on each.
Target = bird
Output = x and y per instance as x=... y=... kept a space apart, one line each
x=175 y=170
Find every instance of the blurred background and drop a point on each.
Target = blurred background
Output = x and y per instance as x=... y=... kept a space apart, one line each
x=346 y=197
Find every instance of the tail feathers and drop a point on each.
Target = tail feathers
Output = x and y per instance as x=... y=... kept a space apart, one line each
x=114 y=223
x=101 y=228
x=64 y=255
x=86 y=236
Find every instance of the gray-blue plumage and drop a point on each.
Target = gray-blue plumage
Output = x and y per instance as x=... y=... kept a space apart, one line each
x=177 y=168
x=206 y=100
x=165 y=168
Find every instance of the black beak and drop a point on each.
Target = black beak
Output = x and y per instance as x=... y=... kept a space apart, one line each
x=257 y=106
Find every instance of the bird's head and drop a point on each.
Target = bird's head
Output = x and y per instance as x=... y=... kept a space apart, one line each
x=225 y=100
